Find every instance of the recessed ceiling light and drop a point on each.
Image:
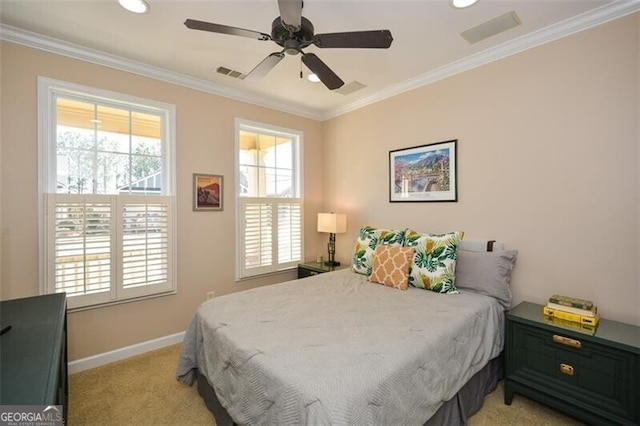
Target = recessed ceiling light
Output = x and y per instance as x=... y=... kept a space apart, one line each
x=313 y=78
x=135 y=6
x=460 y=4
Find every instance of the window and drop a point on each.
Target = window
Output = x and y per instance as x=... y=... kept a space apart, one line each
x=269 y=199
x=106 y=179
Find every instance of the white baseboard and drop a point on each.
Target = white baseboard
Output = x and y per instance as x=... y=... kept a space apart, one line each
x=123 y=353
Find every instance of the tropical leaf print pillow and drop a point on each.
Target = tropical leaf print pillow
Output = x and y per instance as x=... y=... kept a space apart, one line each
x=434 y=261
x=368 y=239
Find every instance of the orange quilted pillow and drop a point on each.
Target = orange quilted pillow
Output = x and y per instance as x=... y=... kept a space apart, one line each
x=391 y=266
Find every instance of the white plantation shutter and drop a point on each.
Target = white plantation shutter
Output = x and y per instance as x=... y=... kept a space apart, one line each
x=289 y=233
x=145 y=244
x=270 y=234
x=103 y=248
x=81 y=252
x=257 y=236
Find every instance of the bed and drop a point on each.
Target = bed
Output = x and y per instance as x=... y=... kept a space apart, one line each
x=336 y=349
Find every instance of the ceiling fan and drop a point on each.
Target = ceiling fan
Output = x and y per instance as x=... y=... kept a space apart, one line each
x=293 y=32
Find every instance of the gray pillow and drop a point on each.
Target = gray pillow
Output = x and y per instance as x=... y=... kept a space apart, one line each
x=486 y=273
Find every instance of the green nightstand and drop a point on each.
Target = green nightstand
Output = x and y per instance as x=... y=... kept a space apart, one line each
x=33 y=353
x=314 y=268
x=593 y=376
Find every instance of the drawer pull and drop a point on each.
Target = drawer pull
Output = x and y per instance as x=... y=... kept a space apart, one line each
x=566 y=369
x=566 y=341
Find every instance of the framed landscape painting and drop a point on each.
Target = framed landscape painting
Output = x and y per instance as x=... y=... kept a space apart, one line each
x=423 y=173
x=207 y=192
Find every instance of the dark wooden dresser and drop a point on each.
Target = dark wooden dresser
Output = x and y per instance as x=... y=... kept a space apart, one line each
x=33 y=353
x=591 y=375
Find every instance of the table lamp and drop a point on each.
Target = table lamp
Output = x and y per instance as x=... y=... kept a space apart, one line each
x=332 y=223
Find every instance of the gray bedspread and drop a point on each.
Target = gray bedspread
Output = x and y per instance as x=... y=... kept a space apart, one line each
x=335 y=349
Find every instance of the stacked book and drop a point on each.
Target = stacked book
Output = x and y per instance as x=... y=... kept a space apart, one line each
x=572 y=309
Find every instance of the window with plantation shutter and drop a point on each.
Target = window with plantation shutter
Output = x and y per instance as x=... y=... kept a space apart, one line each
x=106 y=178
x=269 y=201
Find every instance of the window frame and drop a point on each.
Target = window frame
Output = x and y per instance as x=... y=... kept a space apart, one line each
x=48 y=91
x=297 y=177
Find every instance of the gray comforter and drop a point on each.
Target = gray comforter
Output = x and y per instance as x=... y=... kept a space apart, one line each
x=337 y=349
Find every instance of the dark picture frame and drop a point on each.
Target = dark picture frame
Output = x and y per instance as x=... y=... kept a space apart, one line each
x=424 y=173
x=207 y=192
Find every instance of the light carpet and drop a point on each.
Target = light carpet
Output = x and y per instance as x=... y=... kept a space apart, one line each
x=143 y=390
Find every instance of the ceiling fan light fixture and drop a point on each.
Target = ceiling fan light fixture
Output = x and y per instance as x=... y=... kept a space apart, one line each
x=461 y=4
x=135 y=6
x=313 y=78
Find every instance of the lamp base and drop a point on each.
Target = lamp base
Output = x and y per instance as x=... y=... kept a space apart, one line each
x=331 y=263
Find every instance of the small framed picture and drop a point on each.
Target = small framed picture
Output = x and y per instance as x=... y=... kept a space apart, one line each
x=424 y=173
x=207 y=192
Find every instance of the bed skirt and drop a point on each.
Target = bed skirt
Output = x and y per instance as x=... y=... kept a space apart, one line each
x=454 y=412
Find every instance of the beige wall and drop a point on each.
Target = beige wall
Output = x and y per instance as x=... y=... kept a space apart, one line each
x=547 y=162
x=206 y=240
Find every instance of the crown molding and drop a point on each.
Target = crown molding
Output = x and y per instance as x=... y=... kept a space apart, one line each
x=63 y=48
x=611 y=11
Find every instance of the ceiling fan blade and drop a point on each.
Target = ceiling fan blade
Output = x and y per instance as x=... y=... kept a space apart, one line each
x=224 y=29
x=263 y=68
x=324 y=73
x=291 y=14
x=377 y=39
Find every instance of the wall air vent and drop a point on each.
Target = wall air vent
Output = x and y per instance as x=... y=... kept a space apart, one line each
x=230 y=73
x=492 y=27
x=350 y=87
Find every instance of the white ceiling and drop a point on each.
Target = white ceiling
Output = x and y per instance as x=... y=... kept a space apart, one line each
x=427 y=44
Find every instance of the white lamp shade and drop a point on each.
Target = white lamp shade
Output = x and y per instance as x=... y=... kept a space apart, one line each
x=333 y=223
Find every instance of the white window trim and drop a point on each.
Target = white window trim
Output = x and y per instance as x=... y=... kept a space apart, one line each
x=47 y=90
x=258 y=127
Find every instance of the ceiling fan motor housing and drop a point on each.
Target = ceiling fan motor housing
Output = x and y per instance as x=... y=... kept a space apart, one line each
x=292 y=42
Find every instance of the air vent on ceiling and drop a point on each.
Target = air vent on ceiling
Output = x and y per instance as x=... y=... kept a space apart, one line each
x=230 y=73
x=492 y=27
x=350 y=87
